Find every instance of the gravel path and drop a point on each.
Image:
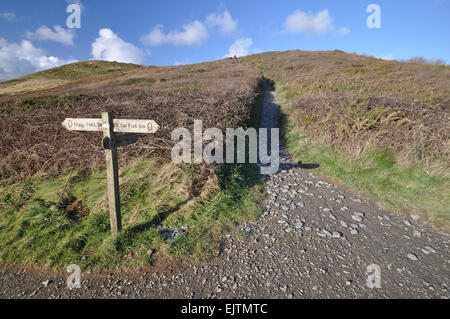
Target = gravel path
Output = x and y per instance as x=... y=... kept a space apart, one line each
x=315 y=240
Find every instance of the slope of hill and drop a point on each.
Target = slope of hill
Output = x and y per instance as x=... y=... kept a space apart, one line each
x=75 y=74
x=53 y=207
x=380 y=127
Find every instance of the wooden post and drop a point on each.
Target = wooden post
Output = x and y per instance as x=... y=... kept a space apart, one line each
x=111 y=142
x=112 y=172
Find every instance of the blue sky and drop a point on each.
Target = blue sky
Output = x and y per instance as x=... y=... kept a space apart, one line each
x=34 y=34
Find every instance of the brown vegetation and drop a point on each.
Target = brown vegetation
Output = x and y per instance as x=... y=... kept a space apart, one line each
x=33 y=140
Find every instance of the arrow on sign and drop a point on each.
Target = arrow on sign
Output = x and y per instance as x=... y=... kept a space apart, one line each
x=83 y=124
x=120 y=125
x=135 y=126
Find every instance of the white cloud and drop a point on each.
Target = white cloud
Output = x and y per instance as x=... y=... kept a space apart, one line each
x=8 y=16
x=60 y=35
x=224 y=22
x=342 y=31
x=240 y=47
x=387 y=57
x=24 y=58
x=312 y=24
x=177 y=63
x=109 y=47
x=193 y=33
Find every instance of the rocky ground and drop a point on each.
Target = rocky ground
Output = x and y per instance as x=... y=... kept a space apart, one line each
x=315 y=240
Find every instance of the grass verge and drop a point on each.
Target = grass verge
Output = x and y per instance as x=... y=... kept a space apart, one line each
x=42 y=225
x=376 y=172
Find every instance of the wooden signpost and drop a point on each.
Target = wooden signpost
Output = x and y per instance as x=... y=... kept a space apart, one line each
x=110 y=126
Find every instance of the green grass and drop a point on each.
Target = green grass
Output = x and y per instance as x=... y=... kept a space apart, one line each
x=145 y=82
x=377 y=174
x=76 y=71
x=34 y=103
x=36 y=231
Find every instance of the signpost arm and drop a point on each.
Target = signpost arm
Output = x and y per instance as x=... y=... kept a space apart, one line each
x=112 y=172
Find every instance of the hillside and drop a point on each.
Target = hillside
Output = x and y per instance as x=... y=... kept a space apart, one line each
x=220 y=93
x=53 y=206
x=74 y=75
x=379 y=127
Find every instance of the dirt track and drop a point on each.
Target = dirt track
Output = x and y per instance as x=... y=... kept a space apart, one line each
x=315 y=240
